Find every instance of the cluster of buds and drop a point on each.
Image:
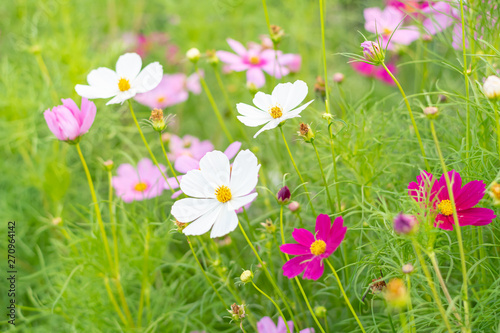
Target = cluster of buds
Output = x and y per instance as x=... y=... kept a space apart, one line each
x=193 y=55
x=180 y=226
x=306 y=132
x=491 y=87
x=237 y=312
x=277 y=34
x=396 y=293
x=373 y=53
x=283 y=196
x=157 y=121
x=431 y=112
x=212 y=58
x=405 y=224
x=494 y=193
x=246 y=276
x=269 y=226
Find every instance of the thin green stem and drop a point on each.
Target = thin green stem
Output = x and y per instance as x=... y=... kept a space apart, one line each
x=114 y=302
x=147 y=145
x=417 y=133
x=297 y=170
x=276 y=305
x=430 y=282
x=332 y=206
x=413 y=327
x=270 y=278
x=465 y=291
x=214 y=105
x=168 y=160
x=345 y=296
x=113 y=221
x=467 y=130
x=145 y=280
x=205 y=274
x=266 y=14
x=497 y=121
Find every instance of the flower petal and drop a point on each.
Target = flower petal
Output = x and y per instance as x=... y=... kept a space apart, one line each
x=289 y=95
x=314 y=269
x=444 y=222
x=204 y=222
x=270 y=125
x=226 y=222
x=295 y=112
x=215 y=168
x=262 y=101
x=128 y=66
x=148 y=78
x=237 y=203
x=323 y=224
x=295 y=266
x=232 y=149
x=88 y=110
x=244 y=174
x=303 y=236
x=282 y=327
x=470 y=195
x=337 y=235
x=186 y=163
x=476 y=216
x=266 y=325
x=295 y=249
x=189 y=209
x=92 y=92
x=237 y=47
x=194 y=184
x=256 y=76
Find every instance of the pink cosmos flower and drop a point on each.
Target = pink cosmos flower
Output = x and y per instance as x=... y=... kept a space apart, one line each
x=172 y=89
x=385 y=24
x=426 y=189
x=313 y=248
x=376 y=72
x=67 y=121
x=143 y=183
x=266 y=325
x=185 y=163
x=255 y=61
x=142 y=44
x=188 y=145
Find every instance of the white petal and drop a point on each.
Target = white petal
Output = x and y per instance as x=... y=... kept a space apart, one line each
x=270 y=125
x=250 y=111
x=262 y=101
x=128 y=66
x=149 y=78
x=189 y=209
x=93 y=92
x=244 y=174
x=195 y=185
x=290 y=95
x=204 y=222
x=295 y=112
x=104 y=78
x=121 y=97
x=252 y=122
x=226 y=222
x=215 y=168
x=237 y=203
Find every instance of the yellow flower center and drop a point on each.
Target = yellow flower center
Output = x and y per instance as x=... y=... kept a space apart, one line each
x=254 y=60
x=123 y=84
x=318 y=247
x=161 y=99
x=387 y=32
x=223 y=193
x=276 y=112
x=445 y=207
x=141 y=187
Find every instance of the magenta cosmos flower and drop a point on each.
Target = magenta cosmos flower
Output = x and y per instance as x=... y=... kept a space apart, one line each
x=313 y=248
x=67 y=121
x=255 y=61
x=172 y=89
x=426 y=189
x=266 y=325
x=143 y=183
x=376 y=72
x=388 y=24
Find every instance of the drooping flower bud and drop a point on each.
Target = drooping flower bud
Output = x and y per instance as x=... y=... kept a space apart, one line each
x=404 y=224
x=373 y=53
x=283 y=195
x=294 y=206
x=237 y=312
x=193 y=55
x=246 y=276
x=431 y=112
x=277 y=34
x=491 y=87
x=338 y=77
x=396 y=293
x=320 y=311
x=408 y=268
x=306 y=132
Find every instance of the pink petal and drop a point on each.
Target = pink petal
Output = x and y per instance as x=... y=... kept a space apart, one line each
x=186 y=163
x=256 y=76
x=295 y=266
x=232 y=149
x=444 y=222
x=470 y=195
x=71 y=105
x=237 y=47
x=476 y=216
x=314 y=269
x=337 y=235
x=282 y=326
x=323 y=224
x=303 y=236
x=406 y=35
x=51 y=120
x=89 y=111
x=266 y=325
x=295 y=249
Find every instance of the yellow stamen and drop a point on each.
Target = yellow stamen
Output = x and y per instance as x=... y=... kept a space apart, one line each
x=276 y=112
x=254 y=60
x=223 y=193
x=160 y=99
x=386 y=32
x=141 y=187
x=446 y=207
x=124 y=84
x=318 y=247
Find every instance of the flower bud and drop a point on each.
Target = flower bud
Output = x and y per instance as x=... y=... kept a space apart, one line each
x=338 y=77
x=431 y=112
x=237 y=312
x=294 y=206
x=408 y=268
x=494 y=193
x=108 y=165
x=373 y=53
x=277 y=34
x=193 y=55
x=327 y=116
x=283 y=195
x=270 y=227
x=427 y=38
x=246 y=276
x=158 y=122
x=378 y=285
x=320 y=311
x=404 y=224
x=212 y=58
x=252 y=88
x=491 y=87
x=396 y=293
x=306 y=132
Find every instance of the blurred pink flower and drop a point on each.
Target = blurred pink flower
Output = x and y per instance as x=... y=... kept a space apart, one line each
x=142 y=44
x=172 y=89
x=189 y=146
x=385 y=22
x=266 y=325
x=376 y=72
x=67 y=121
x=187 y=162
x=145 y=182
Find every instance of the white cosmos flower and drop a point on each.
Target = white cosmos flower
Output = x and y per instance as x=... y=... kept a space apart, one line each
x=124 y=83
x=275 y=108
x=217 y=191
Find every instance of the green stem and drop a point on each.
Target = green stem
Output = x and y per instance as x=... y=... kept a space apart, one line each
x=297 y=170
x=168 y=160
x=465 y=291
x=214 y=105
x=345 y=296
x=266 y=14
x=205 y=274
x=114 y=302
x=270 y=278
x=276 y=305
x=410 y=305
x=467 y=134
x=113 y=221
x=410 y=113
x=145 y=280
x=147 y=145
x=497 y=120
x=332 y=206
